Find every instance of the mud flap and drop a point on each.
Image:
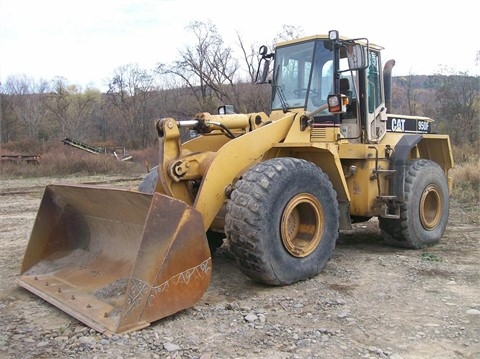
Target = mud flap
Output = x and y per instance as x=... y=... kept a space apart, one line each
x=114 y=259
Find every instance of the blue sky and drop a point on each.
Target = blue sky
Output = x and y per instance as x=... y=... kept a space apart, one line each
x=85 y=41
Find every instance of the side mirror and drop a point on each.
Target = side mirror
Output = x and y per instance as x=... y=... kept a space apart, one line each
x=263 y=50
x=265 y=58
x=263 y=76
x=226 y=110
x=357 y=58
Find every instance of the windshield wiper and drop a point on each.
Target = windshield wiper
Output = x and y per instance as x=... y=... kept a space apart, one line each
x=279 y=91
x=281 y=96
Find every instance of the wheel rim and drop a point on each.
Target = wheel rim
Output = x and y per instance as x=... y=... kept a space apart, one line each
x=430 y=207
x=302 y=225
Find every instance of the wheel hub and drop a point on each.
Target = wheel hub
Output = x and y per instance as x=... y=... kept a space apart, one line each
x=430 y=207
x=302 y=225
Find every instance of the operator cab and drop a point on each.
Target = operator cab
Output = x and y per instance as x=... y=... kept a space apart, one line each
x=312 y=72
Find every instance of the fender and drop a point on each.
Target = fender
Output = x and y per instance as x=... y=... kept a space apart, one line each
x=398 y=160
x=428 y=146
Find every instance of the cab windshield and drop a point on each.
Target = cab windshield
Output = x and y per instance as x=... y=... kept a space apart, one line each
x=303 y=75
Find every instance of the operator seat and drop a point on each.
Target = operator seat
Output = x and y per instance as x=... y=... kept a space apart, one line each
x=352 y=103
x=345 y=87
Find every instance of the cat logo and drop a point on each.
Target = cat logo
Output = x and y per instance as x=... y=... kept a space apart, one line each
x=398 y=124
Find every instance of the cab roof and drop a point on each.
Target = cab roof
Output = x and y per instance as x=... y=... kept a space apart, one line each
x=323 y=37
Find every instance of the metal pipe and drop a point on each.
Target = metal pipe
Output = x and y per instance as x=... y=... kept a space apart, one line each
x=387 y=84
x=187 y=123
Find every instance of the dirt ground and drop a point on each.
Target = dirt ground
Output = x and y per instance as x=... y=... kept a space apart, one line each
x=371 y=301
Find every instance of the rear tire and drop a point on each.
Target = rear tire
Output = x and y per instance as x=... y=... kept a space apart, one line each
x=149 y=182
x=424 y=213
x=282 y=221
x=148 y=185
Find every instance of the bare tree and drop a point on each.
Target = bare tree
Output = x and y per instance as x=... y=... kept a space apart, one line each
x=251 y=59
x=9 y=126
x=174 y=99
x=207 y=68
x=58 y=104
x=130 y=92
x=26 y=99
x=249 y=96
x=72 y=109
x=410 y=93
x=82 y=111
x=289 y=32
x=458 y=98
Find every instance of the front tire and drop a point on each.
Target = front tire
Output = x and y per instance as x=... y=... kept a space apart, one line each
x=149 y=182
x=424 y=213
x=282 y=221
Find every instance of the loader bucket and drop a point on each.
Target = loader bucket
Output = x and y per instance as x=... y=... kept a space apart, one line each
x=116 y=260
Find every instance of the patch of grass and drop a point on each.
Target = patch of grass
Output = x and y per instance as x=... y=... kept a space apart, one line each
x=468 y=172
x=62 y=160
x=467 y=152
x=25 y=147
x=427 y=256
x=147 y=157
x=4 y=341
x=466 y=183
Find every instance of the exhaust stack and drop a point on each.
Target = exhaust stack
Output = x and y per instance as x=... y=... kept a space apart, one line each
x=387 y=84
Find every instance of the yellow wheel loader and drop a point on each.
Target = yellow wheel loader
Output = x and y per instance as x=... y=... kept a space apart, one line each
x=277 y=189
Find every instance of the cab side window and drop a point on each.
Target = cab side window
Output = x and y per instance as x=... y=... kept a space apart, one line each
x=374 y=84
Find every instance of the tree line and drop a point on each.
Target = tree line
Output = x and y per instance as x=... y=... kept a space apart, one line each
x=206 y=75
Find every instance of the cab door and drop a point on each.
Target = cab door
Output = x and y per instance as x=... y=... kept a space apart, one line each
x=376 y=121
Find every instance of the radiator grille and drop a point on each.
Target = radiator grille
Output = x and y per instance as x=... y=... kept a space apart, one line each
x=318 y=134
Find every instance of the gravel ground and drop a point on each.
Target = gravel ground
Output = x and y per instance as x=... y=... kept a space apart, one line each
x=371 y=301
